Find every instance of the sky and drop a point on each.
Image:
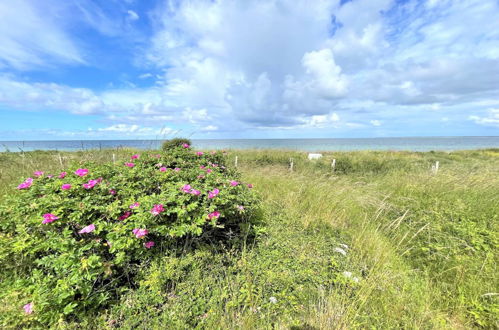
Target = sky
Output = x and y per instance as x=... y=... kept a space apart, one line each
x=207 y=69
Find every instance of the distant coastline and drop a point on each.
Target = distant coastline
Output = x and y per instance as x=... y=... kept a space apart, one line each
x=312 y=144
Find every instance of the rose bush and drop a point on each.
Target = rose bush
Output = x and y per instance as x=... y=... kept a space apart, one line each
x=74 y=240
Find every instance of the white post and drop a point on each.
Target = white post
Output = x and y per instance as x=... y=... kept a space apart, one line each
x=436 y=166
x=235 y=162
x=60 y=161
x=114 y=158
x=291 y=164
x=333 y=164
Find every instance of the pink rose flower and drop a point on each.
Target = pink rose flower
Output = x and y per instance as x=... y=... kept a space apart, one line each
x=38 y=174
x=186 y=188
x=88 y=229
x=81 y=172
x=177 y=169
x=66 y=186
x=125 y=215
x=163 y=169
x=90 y=184
x=149 y=244
x=136 y=156
x=139 y=233
x=195 y=192
x=199 y=153
x=209 y=170
x=112 y=192
x=26 y=184
x=157 y=209
x=62 y=175
x=48 y=218
x=134 y=205
x=186 y=146
x=130 y=165
x=213 y=193
x=234 y=183
x=28 y=308
x=250 y=185
x=214 y=215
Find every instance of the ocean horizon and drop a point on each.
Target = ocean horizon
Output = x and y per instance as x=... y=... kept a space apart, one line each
x=309 y=144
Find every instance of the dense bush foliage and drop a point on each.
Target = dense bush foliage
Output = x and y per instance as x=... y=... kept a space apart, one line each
x=176 y=143
x=74 y=240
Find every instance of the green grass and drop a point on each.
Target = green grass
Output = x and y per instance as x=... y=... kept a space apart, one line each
x=423 y=247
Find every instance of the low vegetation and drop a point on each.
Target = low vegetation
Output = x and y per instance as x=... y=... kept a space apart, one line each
x=380 y=242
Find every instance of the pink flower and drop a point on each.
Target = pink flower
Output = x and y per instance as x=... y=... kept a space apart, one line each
x=99 y=180
x=88 y=229
x=215 y=215
x=50 y=176
x=202 y=167
x=130 y=165
x=234 y=183
x=186 y=188
x=214 y=165
x=209 y=170
x=81 y=172
x=90 y=184
x=240 y=207
x=163 y=169
x=177 y=169
x=48 y=218
x=112 y=191
x=134 y=205
x=186 y=146
x=136 y=156
x=62 y=175
x=157 y=209
x=124 y=216
x=26 y=184
x=28 y=308
x=250 y=185
x=199 y=153
x=139 y=233
x=149 y=244
x=38 y=174
x=66 y=186
x=213 y=193
x=195 y=192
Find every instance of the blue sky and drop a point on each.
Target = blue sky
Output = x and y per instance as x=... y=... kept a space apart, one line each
x=140 y=69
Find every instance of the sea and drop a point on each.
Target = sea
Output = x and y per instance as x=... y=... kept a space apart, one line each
x=334 y=144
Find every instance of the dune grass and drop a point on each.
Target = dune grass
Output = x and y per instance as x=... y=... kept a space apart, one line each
x=422 y=248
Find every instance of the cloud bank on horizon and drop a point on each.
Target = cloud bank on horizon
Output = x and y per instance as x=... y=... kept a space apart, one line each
x=82 y=69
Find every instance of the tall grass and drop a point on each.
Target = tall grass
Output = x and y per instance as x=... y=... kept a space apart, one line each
x=423 y=247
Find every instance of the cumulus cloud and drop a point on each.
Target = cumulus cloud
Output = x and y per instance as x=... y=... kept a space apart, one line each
x=221 y=66
x=490 y=119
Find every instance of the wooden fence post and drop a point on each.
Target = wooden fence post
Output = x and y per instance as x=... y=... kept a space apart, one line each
x=114 y=158
x=235 y=162
x=333 y=164
x=291 y=164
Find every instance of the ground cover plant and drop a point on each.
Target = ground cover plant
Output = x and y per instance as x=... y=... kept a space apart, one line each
x=381 y=242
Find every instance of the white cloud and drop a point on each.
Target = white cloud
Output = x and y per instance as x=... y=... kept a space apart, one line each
x=490 y=119
x=375 y=122
x=133 y=16
x=29 y=37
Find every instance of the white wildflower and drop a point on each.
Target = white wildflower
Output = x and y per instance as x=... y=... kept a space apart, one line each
x=347 y=274
x=344 y=246
x=273 y=300
x=340 y=250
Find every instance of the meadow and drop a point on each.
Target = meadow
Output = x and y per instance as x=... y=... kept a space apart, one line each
x=380 y=242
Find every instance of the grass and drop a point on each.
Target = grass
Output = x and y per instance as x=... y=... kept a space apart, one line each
x=422 y=246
